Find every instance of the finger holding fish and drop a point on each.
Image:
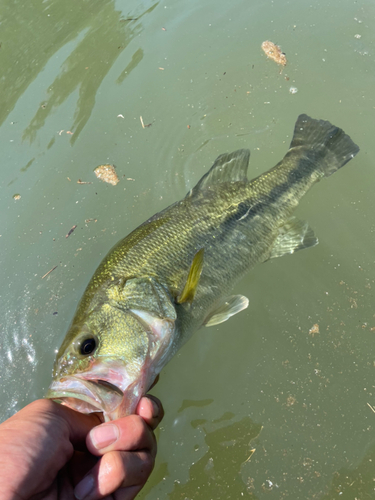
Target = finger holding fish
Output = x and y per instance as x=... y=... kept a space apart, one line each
x=127 y=448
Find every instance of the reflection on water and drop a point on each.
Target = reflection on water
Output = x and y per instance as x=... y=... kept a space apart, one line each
x=354 y=483
x=97 y=34
x=105 y=35
x=218 y=473
x=136 y=59
x=229 y=447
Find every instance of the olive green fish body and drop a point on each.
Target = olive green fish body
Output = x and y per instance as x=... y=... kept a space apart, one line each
x=175 y=272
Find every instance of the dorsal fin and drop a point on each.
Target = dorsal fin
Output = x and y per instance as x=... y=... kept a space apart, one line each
x=188 y=293
x=228 y=167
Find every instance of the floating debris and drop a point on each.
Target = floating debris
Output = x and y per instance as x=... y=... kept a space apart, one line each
x=252 y=451
x=107 y=173
x=70 y=231
x=50 y=271
x=143 y=124
x=293 y=90
x=290 y=401
x=16 y=196
x=273 y=52
x=314 y=330
x=82 y=182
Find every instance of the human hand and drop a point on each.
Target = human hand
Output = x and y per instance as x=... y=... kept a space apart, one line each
x=48 y=451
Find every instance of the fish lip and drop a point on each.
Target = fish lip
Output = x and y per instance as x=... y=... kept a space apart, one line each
x=109 y=386
x=84 y=395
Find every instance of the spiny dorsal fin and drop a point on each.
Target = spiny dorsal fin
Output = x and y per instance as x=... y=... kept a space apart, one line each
x=188 y=293
x=225 y=308
x=228 y=167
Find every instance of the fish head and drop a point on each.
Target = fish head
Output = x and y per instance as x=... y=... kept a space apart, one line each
x=111 y=356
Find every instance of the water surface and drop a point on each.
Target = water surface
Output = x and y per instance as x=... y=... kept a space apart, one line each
x=292 y=376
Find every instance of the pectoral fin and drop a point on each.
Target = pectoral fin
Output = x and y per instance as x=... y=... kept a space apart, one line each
x=190 y=288
x=294 y=235
x=226 y=308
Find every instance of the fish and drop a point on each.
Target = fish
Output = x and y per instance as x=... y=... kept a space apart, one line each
x=175 y=272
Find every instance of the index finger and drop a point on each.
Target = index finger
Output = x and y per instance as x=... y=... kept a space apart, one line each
x=76 y=424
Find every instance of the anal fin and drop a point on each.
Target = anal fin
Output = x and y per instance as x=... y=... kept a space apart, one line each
x=225 y=308
x=294 y=235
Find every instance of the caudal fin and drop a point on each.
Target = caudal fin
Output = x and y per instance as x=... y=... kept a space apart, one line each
x=323 y=144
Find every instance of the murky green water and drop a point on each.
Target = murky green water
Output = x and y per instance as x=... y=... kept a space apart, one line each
x=75 y=78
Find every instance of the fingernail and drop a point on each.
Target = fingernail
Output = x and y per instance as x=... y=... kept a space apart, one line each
x=104 y=435
x=85 y=487
x=155 y=409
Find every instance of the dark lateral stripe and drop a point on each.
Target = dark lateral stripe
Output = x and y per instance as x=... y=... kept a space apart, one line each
x=248 y=210
x=304 y=168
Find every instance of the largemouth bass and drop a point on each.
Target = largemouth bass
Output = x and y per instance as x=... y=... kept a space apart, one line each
x=174 y=273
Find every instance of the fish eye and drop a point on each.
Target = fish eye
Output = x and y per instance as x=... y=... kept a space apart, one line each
x=88 y=346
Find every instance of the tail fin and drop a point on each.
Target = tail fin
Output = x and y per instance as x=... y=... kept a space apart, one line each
x=323 y=144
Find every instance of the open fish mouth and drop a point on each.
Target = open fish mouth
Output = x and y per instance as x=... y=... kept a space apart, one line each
x=86 y=396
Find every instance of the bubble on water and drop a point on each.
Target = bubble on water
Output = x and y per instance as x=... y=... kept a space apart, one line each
x=293 y=90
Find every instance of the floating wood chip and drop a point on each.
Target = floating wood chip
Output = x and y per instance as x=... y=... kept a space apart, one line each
x=273 y=52
x=107 y=173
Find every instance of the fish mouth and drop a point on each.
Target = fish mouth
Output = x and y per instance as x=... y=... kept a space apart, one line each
x=86 y=396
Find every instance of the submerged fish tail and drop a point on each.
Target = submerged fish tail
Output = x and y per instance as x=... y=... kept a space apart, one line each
x=322 y=144
x=317 y=150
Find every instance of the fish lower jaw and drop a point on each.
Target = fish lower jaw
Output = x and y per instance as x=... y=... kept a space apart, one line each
x=86 y=396
x=78 y=404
